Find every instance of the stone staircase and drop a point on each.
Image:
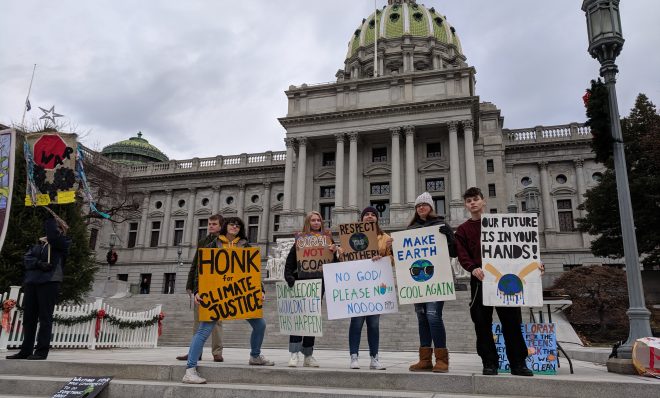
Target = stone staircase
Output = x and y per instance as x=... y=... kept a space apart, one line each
x=398 y=332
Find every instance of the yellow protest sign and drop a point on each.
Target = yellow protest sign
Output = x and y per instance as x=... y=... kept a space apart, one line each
x=230 y=284
x=66 y=197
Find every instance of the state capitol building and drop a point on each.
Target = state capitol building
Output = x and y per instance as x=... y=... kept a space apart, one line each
x=419 y=125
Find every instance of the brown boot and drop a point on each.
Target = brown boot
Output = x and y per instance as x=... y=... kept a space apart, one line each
x=441 y=360
x=425 y=360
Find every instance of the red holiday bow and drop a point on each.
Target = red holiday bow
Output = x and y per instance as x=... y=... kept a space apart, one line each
x=100 y=314
x=585 y=98
x=160 y=323
x=7 y=306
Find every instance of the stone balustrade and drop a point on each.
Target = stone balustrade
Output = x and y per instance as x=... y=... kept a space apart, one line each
x=566 y=132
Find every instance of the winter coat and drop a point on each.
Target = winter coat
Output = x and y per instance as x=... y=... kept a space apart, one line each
x=60 y=245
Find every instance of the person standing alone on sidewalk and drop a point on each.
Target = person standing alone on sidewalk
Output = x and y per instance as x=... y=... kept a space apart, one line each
x=213 y=228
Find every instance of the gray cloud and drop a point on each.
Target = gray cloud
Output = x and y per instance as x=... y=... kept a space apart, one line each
x=202 y=78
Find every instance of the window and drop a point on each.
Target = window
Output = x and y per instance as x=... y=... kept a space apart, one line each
x=122 y=277
x=229 y=200
x=254 y=198
x=132 y=234
x=145 y=283
x=565 y=214
x=383 y=207
x=178 y=232
x=155 y=233
x=276 y=222
x=182 y=203
x=159 y=204
x=328 y=159
x=439 y=204
x=205 y=202
x=380 y=188
x=435 y=184
x=597 y=177
x=280 y=197
x=433 y=150
x=493 y=211
x=561 y=179
x=93 y=236
x=326 y=212
x=328 y=192
x=170 y=283
x=526 y=181
x=491 y=191
x=490 y=166
x=253 y=229
x=202 y=230
x=379 y=155
x=523 y=206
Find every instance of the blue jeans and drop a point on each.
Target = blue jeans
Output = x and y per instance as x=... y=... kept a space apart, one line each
x=355 y=332
x=204 y=331
x=431 y=327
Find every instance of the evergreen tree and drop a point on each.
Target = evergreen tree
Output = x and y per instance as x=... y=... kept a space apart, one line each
x=641 y=134
x=26 y=226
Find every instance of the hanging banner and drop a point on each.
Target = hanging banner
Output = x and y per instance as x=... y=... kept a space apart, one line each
x=299 y=308
x=359 y=288
x=510 y=258
x=7 y=154
x=312 y=251
x=51 y=168
x=541 y=340
x=423 y=267
x=358 y=240
x=230 y=284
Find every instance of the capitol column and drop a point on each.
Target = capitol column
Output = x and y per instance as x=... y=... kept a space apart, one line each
x=410 y=164
x=456 y=208
x=396 y=166
x=241 y=201
x=165 y=228
x=339 y=172
x=192 y=200
x=215 y=199
x=302 y=171
x=548 y=217
x=352 y=170
x=288 y=174
x=265 y=215
x=579 y=179
x=142 y=237
x=470 y=173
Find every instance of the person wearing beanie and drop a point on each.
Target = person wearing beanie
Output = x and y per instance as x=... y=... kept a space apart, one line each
x=432 y=335
x=369 y=214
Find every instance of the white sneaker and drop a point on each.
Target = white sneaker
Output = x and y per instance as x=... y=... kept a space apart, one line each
x=192 y=377
x=260 y=361
x=354 y=362
x=310 y=362
x=375 y=364
x=293 y=361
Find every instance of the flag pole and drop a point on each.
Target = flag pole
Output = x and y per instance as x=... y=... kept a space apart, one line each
x=27 y=99
x=375 y=39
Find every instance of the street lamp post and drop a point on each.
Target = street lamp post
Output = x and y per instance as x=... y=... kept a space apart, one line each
x=605 y=43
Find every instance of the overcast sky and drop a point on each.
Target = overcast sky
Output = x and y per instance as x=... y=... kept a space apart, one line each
x=202 y=78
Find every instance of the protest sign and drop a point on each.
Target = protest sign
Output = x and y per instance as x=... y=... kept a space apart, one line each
x=541 y=340
x=51 y=168
x=7 y=153
x=359 y=240
x=423 y=268
x=230 y=284
x=510 y=258
x=83 y=387
x=299 y=308
x=359 y=288
x=312 y=251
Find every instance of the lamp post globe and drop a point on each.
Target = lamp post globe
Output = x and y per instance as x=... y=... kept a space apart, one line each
x=605 y=45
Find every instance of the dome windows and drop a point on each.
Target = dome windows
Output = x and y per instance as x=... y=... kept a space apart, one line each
x=438 y=21
x=418 y=16
x=453 y=30
x=372 y=24
x=394 y=17
x=357 y=32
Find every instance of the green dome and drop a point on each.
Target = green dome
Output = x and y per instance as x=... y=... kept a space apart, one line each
x=402 y=19
x=134 y=150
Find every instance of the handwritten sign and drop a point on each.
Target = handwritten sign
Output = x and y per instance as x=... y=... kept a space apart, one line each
x=7 y=160
x=358 y=240
x=52 y=160
x=230 y=283
x=360 y=288
x=510 y=258
x=299 y=308
x=83 y=387
x=312 y=251
x=423 y=268
x=541 y=340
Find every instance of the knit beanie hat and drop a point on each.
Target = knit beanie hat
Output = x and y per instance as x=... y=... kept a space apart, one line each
x=369 y=209
x=424 y=198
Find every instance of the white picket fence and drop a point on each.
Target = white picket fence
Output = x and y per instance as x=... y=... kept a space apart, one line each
x=83 y=335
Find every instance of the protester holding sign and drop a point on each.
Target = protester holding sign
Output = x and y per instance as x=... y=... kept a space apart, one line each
x=429 y=314
x=468 y=245
x=232 y=234
x=369 y=215
x=313 y=224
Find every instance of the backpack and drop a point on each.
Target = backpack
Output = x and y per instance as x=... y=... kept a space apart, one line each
x=37 y=257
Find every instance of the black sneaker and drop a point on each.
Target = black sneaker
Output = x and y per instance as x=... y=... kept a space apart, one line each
x=490 y=370
x=18 y=355
x=521 y=371
x=35 y=357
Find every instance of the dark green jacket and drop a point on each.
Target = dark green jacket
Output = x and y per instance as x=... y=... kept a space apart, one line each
x=192 y=274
